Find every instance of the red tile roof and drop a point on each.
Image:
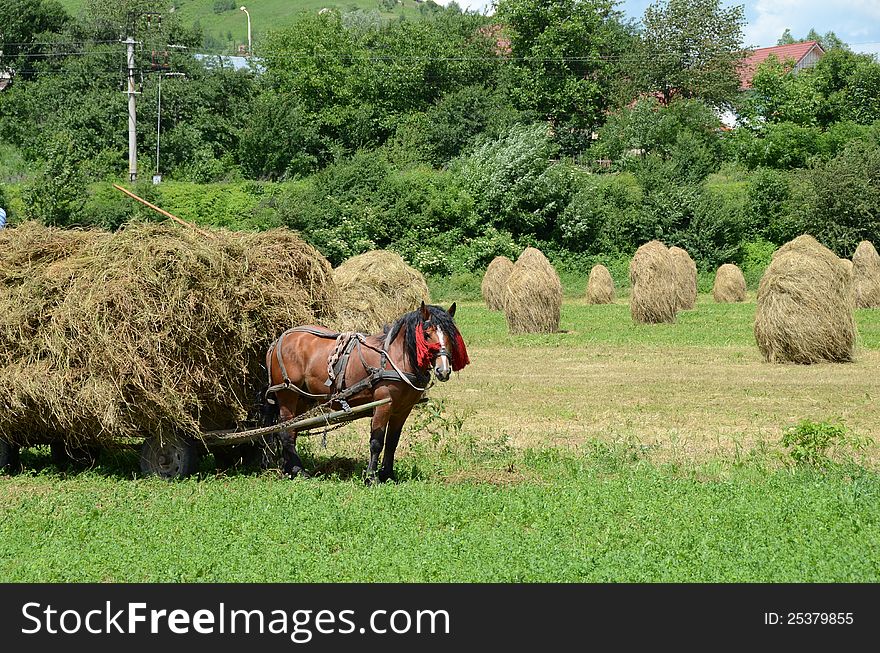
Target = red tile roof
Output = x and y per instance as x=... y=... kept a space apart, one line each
x=796 y=51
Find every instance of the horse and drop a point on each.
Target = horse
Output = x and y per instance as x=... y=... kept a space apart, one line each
x=311 y=365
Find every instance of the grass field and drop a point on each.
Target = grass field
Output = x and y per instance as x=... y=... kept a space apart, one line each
x=607 y=453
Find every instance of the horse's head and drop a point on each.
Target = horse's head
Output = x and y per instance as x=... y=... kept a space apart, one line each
x=438 y=342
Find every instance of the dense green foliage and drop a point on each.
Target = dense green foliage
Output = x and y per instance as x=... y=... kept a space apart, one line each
x=451 y=137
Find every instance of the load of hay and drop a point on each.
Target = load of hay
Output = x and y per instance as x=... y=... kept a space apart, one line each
x=805 y=309
x=866 y=276
x=152 y=330
x=730 y=285
x=652 y=274
x=685 y=278
x=495 y=281
x=533 y=298
x=600 y=287
x=375 y=289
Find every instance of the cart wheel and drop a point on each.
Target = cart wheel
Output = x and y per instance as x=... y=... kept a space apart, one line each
x=9 y=460
x=66 y=456
x=169 y=457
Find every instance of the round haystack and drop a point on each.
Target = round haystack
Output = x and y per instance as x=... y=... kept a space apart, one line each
x=533 y=295
x=600 y=287
x=652 y=275
x=866 y=276
x=152 y=330
x=730 y=285
x=685 y=278
x=375 y=289
x=805 y=308
x=495 y=281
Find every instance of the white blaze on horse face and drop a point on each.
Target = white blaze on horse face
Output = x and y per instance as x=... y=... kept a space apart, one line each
x=443 y=371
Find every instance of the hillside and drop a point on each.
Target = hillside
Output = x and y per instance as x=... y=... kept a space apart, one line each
x=225 y=25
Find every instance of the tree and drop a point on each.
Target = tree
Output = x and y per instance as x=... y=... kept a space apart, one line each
x=563 y=60
x=829 y=41
x=691 y=49
x=25 y=26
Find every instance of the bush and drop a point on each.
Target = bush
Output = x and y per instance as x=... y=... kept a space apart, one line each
x=769 y=212
x=756 y=257
x=56 y=196
x=840 y=203
x=517 y=186
x=594 y=219
x=782 y=146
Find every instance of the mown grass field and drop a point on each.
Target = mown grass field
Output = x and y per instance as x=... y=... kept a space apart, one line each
x=608 y=453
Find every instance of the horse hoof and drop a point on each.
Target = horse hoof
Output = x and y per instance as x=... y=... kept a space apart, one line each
x=385 y=478
x=297 y=471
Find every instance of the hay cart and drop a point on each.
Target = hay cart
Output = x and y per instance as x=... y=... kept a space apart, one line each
x=178 y=457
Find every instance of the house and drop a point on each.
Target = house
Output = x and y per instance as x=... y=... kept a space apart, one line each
x=804 y=55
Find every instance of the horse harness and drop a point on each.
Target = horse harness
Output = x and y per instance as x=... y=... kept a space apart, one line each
x=346 y=344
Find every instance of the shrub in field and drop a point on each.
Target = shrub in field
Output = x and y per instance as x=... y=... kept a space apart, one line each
x=652 y=275
x=600 y=286
x=866 y=276
x=685 y=278
x=494 y=285
x=757 y=255
x=805 y=309
x=809 y=442
x=730 y=285
x=533 y=300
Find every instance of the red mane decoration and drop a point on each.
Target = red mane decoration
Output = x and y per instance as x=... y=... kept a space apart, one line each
x=426 y=351
x=460 y=355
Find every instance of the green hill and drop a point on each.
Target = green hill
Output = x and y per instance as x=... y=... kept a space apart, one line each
x=225 y=25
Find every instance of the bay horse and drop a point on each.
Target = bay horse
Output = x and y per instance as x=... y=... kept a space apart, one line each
x=311 y=365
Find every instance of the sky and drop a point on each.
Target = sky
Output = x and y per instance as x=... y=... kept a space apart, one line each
x=856 y=22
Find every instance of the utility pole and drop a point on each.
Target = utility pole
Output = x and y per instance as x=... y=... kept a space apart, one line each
x=132 y=119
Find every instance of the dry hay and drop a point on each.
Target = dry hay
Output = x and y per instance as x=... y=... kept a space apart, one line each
x=652 y=274
x=600 y=287
x=730 y=285
x=533 y=295
x=805 y=309
x=495 y=281
x=685 y=278
x=152 y=330
x=375 y=289
x=866 y=276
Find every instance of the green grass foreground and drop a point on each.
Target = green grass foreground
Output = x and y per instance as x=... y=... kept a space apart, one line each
x=596 y=515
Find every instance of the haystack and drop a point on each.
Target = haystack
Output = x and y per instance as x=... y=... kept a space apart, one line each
x=652 y=274
x=495 y=281
x=730 y=285
x=866 y=276
x=375 y=289
x=685 y=278
x=805 y=309
x=152 y=330
x=600 y=287
x=533 y=298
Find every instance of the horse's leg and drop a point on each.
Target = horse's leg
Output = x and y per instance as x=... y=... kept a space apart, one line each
x=395 y=426
x=378 y=427
x=293 y=465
